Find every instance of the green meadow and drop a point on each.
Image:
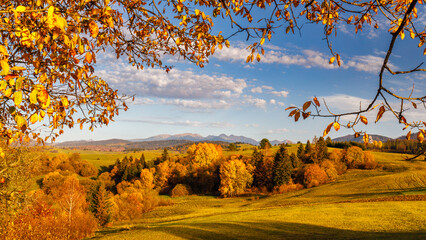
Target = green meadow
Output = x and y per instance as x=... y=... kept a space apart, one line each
x=385 y=203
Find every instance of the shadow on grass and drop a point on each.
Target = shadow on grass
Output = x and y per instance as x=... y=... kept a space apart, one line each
x=254 y=230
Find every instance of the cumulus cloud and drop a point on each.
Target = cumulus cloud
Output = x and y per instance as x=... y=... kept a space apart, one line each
x=306 y=58
x=273 y=101
x=280 y=93
x=256 y=90
x=182 y=84
x=258 y=102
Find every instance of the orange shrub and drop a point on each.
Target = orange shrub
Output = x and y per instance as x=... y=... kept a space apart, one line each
x=369 y=161
x=181 y=190
x=314 y=176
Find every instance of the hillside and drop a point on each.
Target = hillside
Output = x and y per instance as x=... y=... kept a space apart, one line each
x=387 y=203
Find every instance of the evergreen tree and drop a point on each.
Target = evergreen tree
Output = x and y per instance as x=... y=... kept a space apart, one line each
x=295 y=161
x=282 y=167
x=300 y=150
x=99 y=204
x=165 y=156
x=321 y=151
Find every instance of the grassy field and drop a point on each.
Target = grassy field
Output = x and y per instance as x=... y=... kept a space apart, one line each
x=342 y=209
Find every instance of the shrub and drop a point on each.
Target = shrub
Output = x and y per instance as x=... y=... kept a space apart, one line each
x=369 y=161
x=330 y=170
x=314 y=176
x=181 y=190
x=354 y=157
x=289 y=187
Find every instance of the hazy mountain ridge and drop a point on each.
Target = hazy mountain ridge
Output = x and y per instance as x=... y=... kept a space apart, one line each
x=198 y=138
x=351 y=138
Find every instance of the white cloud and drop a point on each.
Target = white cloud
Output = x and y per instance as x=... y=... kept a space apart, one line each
x=175 y=84
x=258 y=102
x=306 y=58
x=267 y=87
x=256 y=90
x=280 y=93
x=276 y=131
x=273 y=101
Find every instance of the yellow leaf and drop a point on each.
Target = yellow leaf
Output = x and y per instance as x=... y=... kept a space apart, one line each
x=332 y=60
x=5 y=67
x=50 y=11
x=8 y=92
x=65 y=102
x=227 y=44
x=258 y=57
x=402 y=35
x=420 y=137
x=20 y=121
x=33 y=96
x=412 y=35
x=42 y=96
x=20 y=9
x=364 y=120
x=336 y=126
x=17 y=98
x=3 y=85
x=34 y=118
x=18 y=68
x=262 y=41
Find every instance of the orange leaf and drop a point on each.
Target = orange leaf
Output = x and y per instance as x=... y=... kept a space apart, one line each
x=414 y=105
x=327 y=129
x=306 y=115
x=356 y=135
x=316 y=101
x=88 y=57
x=380 y=113
x=289 y=108
x=332 y=59
x=364 y=120
x=93 y=29
x=297 y=116
x=408 y=137
x=292 y=112
x=306 y=105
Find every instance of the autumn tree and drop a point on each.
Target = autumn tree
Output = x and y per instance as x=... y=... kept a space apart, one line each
x=265 y=144
x=99 y=203
x=201 y=155
x=234 y=178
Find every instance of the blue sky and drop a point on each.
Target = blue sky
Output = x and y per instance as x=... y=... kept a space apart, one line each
x=233 y=97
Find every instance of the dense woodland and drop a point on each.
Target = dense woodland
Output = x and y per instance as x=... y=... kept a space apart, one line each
x=74 y=198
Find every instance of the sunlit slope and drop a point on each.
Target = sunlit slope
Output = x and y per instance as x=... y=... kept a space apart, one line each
x=335 y=210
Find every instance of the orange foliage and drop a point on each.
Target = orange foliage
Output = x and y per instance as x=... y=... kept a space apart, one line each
x=314 y=176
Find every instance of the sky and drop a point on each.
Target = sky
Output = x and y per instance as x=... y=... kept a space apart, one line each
x=231 y=96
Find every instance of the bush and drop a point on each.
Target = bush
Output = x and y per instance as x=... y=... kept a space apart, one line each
x=181 y=190
x=330 y=170
x=314 y=176
x=354 y=157
x=369 y=161
x=289 y=187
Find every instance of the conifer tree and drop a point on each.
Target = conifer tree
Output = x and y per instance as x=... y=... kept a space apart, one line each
x=282 y=167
